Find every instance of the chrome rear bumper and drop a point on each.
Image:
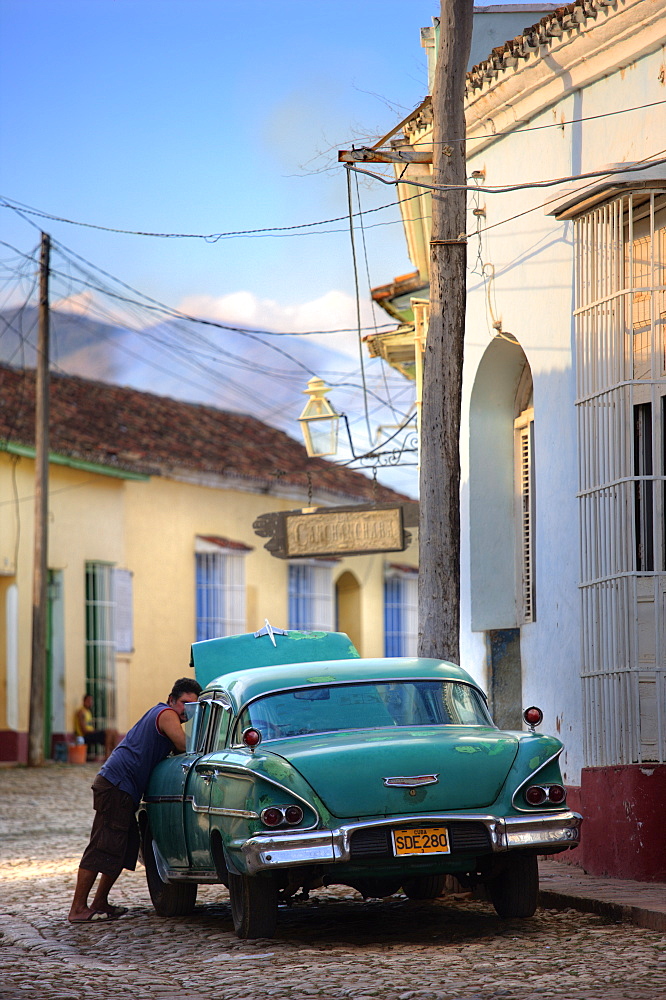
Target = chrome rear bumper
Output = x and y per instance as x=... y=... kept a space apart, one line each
x=536 y=830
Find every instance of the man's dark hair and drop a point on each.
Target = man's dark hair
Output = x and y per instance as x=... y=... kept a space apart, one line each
x=185 y=685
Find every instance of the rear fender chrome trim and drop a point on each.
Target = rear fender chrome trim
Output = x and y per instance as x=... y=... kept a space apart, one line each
x=212 y=772
x=244 y=774
x=220 y=810
x=528 y=781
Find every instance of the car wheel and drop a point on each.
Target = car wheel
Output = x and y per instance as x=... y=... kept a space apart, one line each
x=253 y=905
x=515 y=891
x=424 y=886
x=170 y=899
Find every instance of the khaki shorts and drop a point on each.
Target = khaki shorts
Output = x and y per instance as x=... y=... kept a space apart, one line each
x=114 y=838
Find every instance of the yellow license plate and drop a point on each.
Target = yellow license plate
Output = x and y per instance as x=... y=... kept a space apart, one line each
x=426 y=840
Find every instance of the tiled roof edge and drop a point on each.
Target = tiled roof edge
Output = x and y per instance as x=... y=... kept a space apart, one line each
x=552 y=26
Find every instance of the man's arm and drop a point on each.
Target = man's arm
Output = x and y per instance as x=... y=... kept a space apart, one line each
x=169 y=725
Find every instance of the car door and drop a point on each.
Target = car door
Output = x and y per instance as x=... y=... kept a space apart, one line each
x=202 y=783
x=168 y=788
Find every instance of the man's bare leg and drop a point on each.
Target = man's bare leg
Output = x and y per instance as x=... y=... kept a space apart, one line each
x=100 y=903
x=80 y=912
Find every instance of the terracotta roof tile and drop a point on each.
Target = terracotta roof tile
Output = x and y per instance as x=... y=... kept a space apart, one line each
x=141 y=432
x=562 y=20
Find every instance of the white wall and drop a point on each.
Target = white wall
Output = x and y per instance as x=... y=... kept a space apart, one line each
x=524 y=269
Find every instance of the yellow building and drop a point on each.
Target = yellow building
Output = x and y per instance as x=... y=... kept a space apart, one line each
x=151 y=546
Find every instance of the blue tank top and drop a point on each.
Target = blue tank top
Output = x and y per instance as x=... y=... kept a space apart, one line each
x=131 y=762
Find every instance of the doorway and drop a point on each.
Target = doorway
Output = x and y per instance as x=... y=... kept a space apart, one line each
x=348 y=608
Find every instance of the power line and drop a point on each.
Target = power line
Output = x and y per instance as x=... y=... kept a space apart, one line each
x=644 y=163
x=19 y=207
x=193 y=319
x=358 y=300
x=536 y=128
x=186 y=355
x=508 y=188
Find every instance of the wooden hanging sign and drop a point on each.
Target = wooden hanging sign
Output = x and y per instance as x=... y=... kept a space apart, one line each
x=355 y=530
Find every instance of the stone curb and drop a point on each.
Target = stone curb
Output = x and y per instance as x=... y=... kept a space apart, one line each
x=640 y=916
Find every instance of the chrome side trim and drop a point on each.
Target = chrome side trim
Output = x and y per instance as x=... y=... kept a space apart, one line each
x=242 y=772
x=200 y=875
x=237 y=813
x=264 y=852
x=220 y=811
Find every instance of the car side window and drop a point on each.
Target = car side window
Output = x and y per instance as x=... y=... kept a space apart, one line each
x=202 y=724
x=218 y=728
x=196 y=713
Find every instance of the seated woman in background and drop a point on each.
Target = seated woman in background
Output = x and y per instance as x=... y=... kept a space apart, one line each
x=84 y=728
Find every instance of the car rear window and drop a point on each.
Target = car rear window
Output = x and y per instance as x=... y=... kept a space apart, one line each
x=336 y=707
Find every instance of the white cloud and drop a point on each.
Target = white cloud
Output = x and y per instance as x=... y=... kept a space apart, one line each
x=81 y=303
x=333 y=311
x=99 y=308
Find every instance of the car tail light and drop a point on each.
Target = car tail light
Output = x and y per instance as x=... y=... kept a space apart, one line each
x=293 y=815
x=271 y=816
x=536 y=795
x=557 y=794
x=533 y=716
x=251 y=738
x=276 y=815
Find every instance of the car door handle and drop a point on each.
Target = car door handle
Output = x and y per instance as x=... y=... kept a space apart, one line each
x=207 y=773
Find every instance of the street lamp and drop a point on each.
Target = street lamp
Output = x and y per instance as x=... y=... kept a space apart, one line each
x=319 y=421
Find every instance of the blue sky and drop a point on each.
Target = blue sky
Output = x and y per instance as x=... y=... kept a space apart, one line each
x=206 y=117
x=202 y=116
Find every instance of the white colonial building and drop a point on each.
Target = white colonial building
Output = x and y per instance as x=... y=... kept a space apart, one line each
x=563 y=440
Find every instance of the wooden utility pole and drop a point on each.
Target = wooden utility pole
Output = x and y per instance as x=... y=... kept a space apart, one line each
x=439 y=529
x=40 y=571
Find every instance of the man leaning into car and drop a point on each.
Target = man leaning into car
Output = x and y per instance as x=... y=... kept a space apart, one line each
x=117 y=792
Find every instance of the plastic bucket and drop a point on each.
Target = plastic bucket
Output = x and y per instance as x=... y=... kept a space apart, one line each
x=77 y=754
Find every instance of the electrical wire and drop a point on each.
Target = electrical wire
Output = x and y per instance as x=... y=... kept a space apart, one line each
x=158 y=306
x=367 y=273
x=19 y=207
x=537 y=128
x=508 y=188
x=358 y=300
x=550 y=201
x=185 y=355
x=11 y=203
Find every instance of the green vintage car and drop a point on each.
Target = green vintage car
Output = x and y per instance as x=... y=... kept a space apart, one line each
x=308 y=766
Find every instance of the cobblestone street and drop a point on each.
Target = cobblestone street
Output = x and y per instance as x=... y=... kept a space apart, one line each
x=333 y=945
